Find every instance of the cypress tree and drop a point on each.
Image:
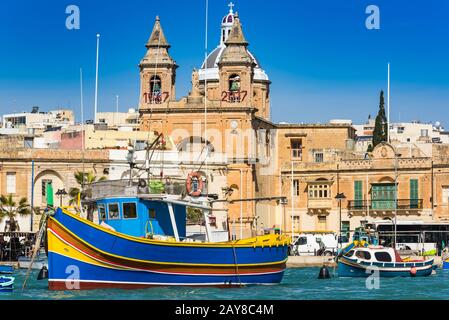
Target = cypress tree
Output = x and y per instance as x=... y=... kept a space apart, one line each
x=381 y=125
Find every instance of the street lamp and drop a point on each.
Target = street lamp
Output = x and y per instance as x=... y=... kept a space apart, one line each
x=61 y=193
x=340 y=197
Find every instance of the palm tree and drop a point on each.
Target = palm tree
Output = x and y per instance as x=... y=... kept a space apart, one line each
x=10 y=209
x=85 y=179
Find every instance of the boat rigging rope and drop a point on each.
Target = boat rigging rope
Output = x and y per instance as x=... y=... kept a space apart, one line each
x=37 y=244
x=152 y=101
x=236 y=264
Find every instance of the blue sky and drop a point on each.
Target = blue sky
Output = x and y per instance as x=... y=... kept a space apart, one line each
x=323 y=62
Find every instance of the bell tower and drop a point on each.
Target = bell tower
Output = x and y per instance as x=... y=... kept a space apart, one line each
x=157 y=71
x=236 y=68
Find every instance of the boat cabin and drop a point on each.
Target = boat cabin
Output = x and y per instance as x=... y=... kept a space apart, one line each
x=374 y=254
x=143 y=218
x=139 y=209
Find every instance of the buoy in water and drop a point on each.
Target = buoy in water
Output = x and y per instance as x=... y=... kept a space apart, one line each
x=324 y=273
x=43 y=273
x=413 y=272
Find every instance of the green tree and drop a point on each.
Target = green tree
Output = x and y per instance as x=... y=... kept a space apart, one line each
x=381 y=124
x=86 y=178
x=10 y=209
x=194 y=216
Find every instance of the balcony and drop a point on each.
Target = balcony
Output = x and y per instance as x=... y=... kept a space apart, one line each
x=319 y=204
x=385 y=205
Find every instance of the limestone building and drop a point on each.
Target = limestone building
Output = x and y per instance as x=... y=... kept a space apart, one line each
x=227 y=112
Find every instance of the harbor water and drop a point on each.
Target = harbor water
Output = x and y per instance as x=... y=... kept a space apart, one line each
x=298 y=284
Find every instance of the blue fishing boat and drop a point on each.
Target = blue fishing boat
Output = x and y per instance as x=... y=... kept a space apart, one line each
x=141 y=241
x=363 y=261
x=6 y=284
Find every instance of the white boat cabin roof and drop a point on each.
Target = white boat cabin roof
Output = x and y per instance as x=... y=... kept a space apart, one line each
x=374 y=254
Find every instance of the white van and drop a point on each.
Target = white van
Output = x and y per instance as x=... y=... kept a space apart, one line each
x=312 y=244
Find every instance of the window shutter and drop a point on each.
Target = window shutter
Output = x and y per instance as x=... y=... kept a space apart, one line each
x=414 y=194
x=358 y=194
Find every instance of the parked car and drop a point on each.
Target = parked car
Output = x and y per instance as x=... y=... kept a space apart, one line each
x=315 y=244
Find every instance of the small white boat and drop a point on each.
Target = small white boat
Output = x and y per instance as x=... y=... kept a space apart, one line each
x=362 y=261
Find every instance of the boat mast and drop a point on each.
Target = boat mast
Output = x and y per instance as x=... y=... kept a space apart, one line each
x=83 y=135
x=96 y=79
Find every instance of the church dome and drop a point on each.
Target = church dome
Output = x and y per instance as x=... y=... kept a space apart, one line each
x=228 y=19
x=209 y=68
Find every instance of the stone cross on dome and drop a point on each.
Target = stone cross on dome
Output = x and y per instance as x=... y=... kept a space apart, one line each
x=231 y=6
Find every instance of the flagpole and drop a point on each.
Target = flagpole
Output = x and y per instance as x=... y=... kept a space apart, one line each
x=96 y=80
x=388 y=105
x=205 y=88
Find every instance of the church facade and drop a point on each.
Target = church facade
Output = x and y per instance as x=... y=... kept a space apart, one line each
x=230 y=92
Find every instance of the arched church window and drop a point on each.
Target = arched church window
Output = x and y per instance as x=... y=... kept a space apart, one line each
x=234 y=89
x=234 y=83
x=155 y=84
x=155 y=89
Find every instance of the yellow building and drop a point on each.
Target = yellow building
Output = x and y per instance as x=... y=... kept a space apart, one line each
x=25 y=172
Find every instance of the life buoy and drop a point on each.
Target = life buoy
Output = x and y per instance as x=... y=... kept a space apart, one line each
x=197 y=177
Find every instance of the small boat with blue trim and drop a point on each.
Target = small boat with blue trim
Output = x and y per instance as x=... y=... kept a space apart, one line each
x=142 y=242
x=364 y=260
x=6 y=269
x=6 y=284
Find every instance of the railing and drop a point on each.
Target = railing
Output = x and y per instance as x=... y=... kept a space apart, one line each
x=325 y=203
x=402 y=204
x=126 y=187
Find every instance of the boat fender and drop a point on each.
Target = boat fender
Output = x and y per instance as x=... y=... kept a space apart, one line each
x=413 y=272
x=43 y=273
x=198 y=177
x=324 y=273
